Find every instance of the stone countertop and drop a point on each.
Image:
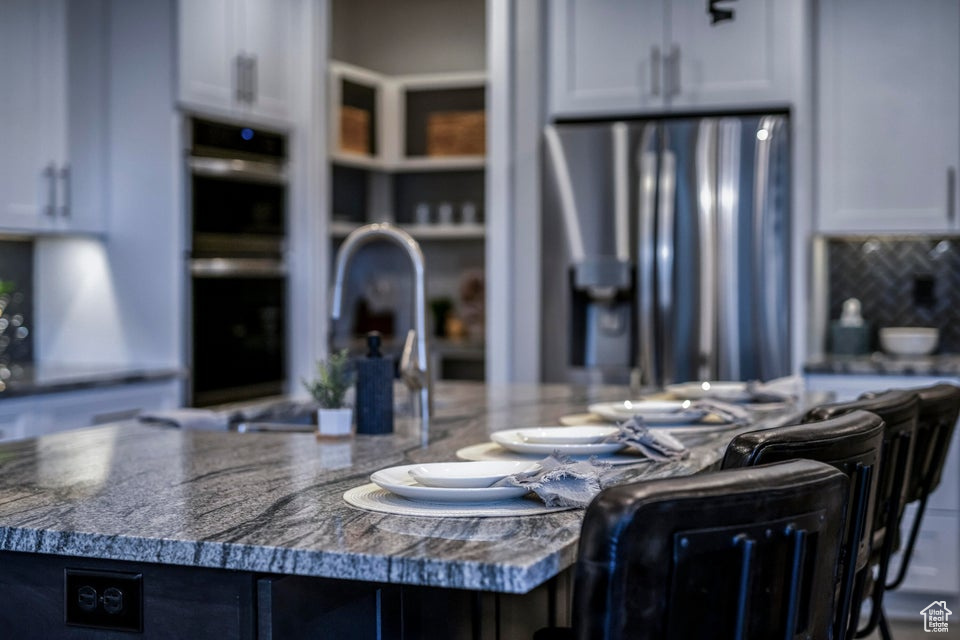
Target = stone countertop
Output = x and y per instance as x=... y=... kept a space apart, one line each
x=31 y=380
x=267 y=502
x=882 y=364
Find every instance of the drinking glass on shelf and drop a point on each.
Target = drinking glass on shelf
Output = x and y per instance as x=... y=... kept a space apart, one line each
x=445 y=213
x=468 y=213
x=421 y=213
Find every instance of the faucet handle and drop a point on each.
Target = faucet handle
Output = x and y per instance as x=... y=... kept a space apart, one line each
x=410 y=369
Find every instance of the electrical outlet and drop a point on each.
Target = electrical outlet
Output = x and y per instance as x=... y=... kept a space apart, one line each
x=103 y=599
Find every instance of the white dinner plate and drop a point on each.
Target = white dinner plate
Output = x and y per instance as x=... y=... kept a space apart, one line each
x=463 y=475
x=653 y=412
x=513 y=439
x=399 y=481
x=567 y=435
x=729 y=391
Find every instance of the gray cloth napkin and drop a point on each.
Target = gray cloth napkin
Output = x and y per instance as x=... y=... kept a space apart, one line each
x=560 y=481
x=199 y=419
x=659 y=446
x=762 y=393
x=735 y=413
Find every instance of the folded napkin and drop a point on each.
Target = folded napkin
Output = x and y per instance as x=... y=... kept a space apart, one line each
x=659 y=446
x=560 y=481
x=729 y=411
x=199 y=419
x=768 y=393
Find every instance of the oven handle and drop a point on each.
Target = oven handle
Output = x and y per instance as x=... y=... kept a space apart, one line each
x=236 y=169
x=237 y=267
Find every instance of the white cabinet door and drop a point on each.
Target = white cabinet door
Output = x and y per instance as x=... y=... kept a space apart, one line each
x=237 y=57
x=14 y=416
x=72 y=410
x=52 y=116
x=32 y=111
x=605 y=56
x=742 y=60
x=267 y=36
x=209 y=50
x=889 y=135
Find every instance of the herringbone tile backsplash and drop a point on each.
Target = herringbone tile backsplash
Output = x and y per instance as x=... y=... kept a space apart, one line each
x=900 y=282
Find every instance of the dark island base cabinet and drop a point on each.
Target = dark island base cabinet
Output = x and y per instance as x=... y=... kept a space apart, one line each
x=199 y=603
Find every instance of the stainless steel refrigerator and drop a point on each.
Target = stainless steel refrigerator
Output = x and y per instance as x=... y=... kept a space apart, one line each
x=666 y=250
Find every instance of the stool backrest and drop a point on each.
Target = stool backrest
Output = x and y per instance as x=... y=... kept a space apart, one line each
x=939 y=411
x=851 y=443
x=749 y=553
x=899 y=411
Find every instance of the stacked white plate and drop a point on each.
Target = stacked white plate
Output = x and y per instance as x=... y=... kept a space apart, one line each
x=655 y=413
x=583 y=441
x=452 y=481
x=718 y=390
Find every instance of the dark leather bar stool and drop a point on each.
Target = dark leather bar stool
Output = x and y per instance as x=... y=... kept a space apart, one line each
x=746 y=553
x=899 y=411
x=851 y=443
x=939 y=411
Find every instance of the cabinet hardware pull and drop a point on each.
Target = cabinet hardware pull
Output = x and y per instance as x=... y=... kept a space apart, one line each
x=252 y=66
x=240 y=77
x=65 y=179
x=50 y=173
x=655 y=70
x=673 y=71
x=951 y=194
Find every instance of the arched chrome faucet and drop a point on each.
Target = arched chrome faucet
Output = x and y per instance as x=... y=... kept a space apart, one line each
x=414 y=369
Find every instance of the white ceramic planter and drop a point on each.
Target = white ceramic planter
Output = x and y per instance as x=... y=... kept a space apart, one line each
x=335 y=422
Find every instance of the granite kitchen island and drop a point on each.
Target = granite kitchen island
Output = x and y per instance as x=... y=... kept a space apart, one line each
x=248 y=535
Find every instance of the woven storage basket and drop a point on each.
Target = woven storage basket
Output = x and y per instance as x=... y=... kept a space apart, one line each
x=354 y=130
x=456 y=133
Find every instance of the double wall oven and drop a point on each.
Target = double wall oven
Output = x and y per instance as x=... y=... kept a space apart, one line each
x=237 y=293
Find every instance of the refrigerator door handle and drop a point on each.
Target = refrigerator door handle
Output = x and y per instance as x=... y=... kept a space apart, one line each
x=768 y=272
x=665 y=261
x=568 y=204
x=706 y=176
x=621 y=196
x=646 y=258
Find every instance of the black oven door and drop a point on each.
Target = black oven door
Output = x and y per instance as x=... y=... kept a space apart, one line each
x=238 y=345
x=238 y=207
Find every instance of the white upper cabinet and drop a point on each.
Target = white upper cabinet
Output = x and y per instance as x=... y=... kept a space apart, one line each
x=52 y=161
x=635 y=56
x=888 y=124
x=743 y=60
x=237 y=57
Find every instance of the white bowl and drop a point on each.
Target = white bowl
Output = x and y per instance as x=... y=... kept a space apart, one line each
x=909 y=341
x=466 y=474
x=567 y=435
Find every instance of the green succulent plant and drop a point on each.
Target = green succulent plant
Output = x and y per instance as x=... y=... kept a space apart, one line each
x=334 y=377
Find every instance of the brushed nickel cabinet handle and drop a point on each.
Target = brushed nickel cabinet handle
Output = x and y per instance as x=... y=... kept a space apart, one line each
x=252 y=79
x=50 y=173
x=240 y=73
x=65 y=180
x=655 y=63
x=951 y=195
x=672 y=69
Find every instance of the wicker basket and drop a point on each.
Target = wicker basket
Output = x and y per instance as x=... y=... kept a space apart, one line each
x=354 y=130
x=456 y=133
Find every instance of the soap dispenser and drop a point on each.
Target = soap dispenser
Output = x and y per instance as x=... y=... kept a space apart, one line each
x=850 y=335
x=374 y=389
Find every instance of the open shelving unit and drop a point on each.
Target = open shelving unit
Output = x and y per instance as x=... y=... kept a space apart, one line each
x=384 y=168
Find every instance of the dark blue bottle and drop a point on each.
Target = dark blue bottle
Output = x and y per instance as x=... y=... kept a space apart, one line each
x=374 y=390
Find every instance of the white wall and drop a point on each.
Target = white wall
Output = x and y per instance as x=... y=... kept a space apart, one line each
x=409 y=36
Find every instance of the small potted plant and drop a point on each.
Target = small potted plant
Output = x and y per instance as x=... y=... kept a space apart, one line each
x=329 y=388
